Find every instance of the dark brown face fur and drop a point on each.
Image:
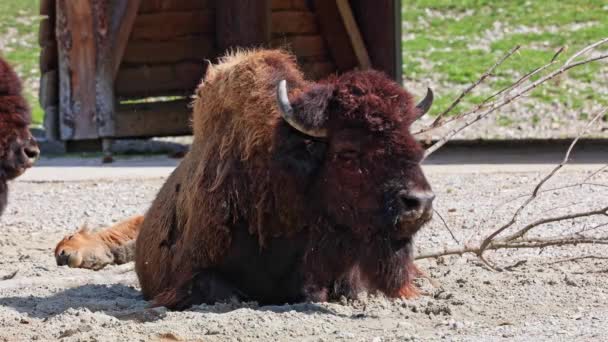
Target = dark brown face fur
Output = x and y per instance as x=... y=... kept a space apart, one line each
x=18 y=149
x=362 y=176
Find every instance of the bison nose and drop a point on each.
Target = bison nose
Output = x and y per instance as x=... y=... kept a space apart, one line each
x=31 y=151
x=62 y=258
x=416 y=203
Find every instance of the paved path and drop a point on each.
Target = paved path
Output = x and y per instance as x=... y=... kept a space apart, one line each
x=457 y=159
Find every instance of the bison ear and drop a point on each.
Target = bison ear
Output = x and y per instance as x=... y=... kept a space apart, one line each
x=308 y=112
x=84 y=229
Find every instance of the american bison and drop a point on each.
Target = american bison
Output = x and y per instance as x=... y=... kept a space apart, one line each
x=18 y=149
x=292 y=190
x=96 y=250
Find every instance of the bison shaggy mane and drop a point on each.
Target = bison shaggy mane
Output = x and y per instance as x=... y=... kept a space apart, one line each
x=18 y=150
x=287 y=196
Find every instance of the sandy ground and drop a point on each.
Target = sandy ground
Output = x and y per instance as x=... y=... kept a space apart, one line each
x=545 y=298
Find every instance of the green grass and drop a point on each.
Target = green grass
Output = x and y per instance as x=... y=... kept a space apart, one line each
x=457 y=41
x=19 y=34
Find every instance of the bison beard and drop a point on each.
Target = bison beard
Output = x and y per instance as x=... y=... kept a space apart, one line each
x=288 y=197
x=18 y=150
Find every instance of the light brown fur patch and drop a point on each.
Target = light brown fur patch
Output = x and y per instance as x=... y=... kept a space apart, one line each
x=95 y=250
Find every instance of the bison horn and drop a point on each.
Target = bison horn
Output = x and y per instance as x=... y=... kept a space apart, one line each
x=289 y=116
x=425 y=104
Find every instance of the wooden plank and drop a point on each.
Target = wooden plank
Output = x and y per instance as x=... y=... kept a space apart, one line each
x=46 y=32
x=380 y=26
x=302 y=46
x=113 y=21
x=294 y=22
x=335 y=35
x=76 y=48
x=48 y=58
x=289 y=5
x=159 y=80
x=51 y=123
x=353 y=32
x=242 y=23
x=318 y=70
x=153 y=119
x=47 y=7
x=123 y=20
x=170 y=25
x=150 y=6
x=193 y=48
x=48 y=93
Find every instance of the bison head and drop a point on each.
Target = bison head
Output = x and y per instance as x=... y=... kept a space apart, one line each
x=347 y=141
x=18 y=149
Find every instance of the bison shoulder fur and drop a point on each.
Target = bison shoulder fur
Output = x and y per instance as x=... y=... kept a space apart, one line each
x=292 y=190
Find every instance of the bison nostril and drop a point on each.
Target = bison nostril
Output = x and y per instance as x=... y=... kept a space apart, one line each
x=416 y=201
x=31 y=152
x=62 y=253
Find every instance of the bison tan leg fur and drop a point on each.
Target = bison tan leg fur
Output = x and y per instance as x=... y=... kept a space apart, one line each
x=114 y=245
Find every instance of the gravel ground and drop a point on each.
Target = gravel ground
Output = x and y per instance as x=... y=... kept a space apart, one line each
x=545 y=298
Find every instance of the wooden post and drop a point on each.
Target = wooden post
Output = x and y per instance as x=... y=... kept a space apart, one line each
x=335 y=34
x=91 y=38
x=113 y=23
x=352 y=29
x=76 y=48
x=380 y=26
x=242 y=23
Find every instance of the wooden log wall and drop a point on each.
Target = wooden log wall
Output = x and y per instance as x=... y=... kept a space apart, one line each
x=295 y=27
x=136 y=80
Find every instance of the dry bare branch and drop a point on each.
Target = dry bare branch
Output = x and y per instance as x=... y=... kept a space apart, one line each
x=518 y=239
x=487 y=109
x=483 y=77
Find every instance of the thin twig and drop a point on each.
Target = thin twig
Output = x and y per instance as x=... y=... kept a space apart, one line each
x=577 y=259
x=486 y=242
x=483 y=77
x=499 y=104
x=526 y=243
x=446 y=226
x=520 y=233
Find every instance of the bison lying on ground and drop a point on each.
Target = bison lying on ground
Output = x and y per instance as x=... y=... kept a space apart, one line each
x=18 y=149
x=292 y=190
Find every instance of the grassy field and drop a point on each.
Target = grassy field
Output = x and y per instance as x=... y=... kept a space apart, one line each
x=19 y=44
x=451 y=42
x=454 y=42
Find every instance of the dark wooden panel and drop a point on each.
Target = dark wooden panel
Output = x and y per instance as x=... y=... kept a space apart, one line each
x=193 y=48
x=170 y=25
x=153 y=119
x=288 y=5
x=159 y=80
x=242 y=23
x=318 y=70
x=48 y=58
x=46 y=32
x=47 y=7
x=380 y=26
x=294 y=22
x=302 y=46
x=334 y=32
x=48 y=92
x=150 y=6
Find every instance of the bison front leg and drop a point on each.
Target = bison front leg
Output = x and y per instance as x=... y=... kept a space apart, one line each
x=205 y=287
